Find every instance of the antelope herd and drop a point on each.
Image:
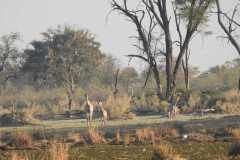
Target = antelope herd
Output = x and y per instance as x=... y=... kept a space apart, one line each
x=89 y=109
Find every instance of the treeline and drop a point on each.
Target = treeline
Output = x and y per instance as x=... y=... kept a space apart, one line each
x=71 y=58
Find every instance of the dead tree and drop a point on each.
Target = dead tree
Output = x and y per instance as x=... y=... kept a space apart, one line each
x=148 y=53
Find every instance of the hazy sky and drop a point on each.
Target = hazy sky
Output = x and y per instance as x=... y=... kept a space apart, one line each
x=31 y=17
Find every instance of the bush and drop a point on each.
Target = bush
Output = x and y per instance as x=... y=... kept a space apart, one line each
x=13 y=119
x=118 y=107
x=230 y=103
x=164 y=106
x=146 y=104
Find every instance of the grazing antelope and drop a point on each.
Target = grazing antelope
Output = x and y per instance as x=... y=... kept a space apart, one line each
x=88 y=107
x=104 y=114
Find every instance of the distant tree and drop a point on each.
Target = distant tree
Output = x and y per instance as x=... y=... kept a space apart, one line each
x=218 y=78
x=128 y=78
x=71 y=53
x=10 y=57
x=36 y=66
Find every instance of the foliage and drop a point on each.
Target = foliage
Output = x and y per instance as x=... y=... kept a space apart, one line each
x=230 y=103
x=10 y=57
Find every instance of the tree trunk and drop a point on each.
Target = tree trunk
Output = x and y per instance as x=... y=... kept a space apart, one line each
x=70 y=94
x=158 y=83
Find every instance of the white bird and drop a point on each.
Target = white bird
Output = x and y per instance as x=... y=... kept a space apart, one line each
x=185 y=136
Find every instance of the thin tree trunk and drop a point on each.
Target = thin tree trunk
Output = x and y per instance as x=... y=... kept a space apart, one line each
x=158 y=83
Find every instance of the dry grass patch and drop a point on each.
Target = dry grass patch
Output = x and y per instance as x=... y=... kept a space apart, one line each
x=21 y=139
x=165 y=152
x=235 y=133
x=59 y=151
x=126 y=138
x=145 y=134
x=95 y=137
x=167 y=132
x=117 y=139
x=16 y=156
x=200 y=137
x=76 y=138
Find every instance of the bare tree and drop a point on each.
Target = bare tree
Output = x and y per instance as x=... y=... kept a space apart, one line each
x=145 y=37
x=152 y=19
x=231 y=25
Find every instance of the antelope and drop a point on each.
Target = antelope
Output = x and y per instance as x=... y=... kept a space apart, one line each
x=104 y=114
x=173 y=110
x=88 y=107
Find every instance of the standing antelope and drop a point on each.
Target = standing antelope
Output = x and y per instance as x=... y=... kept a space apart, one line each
x=88 y=110
x=104 y=114
x=173 y=110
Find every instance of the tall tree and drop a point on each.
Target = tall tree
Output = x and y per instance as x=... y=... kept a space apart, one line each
x=36 y=64
x=152 y=19
x=10 y=57
x=71 y=52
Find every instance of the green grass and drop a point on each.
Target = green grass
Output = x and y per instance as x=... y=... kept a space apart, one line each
x=80 y=124
x=190 y=150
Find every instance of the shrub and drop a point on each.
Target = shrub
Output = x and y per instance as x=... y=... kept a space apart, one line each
x=165 y=152
x=13 y=119
x=164 y=106
x=230 y=103
x=147 y=104
x=118 y=107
